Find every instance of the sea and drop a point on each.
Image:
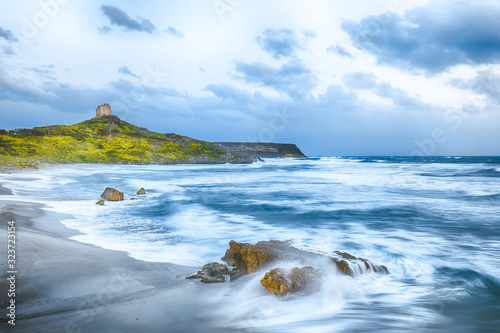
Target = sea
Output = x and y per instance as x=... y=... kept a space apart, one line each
x=433 y=221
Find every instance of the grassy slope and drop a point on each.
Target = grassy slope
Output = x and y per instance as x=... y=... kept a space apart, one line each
x=106 y=140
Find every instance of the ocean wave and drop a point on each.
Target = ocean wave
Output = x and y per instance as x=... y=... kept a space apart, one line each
x=488 y=172
x=435 y=245
x=425 y=159
x=465 y=281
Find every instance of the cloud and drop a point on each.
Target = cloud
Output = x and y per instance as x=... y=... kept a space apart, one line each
x=279 y=42
x=45 y=73
x=7 y=50
x=120 y=18
x=339 y=50
x=432 y=38
x=126 y=71
x=174 y=32
x=226 y=91
x=7 y=35
x=309 y=34
x=487 y=82
x=360 y=80
x=104 y=29
x=400 y=97
x=292 y=78
x=22 y=89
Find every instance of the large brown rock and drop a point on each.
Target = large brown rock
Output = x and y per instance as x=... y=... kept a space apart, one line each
x=248 y=258
x=282 y=282
x=112 y=194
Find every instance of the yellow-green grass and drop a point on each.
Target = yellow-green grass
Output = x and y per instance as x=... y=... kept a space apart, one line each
x=106 y=140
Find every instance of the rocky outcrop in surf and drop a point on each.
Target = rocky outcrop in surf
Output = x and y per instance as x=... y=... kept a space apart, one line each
x=247 y=258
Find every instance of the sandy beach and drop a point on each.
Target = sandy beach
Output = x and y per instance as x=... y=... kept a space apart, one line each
x=66 y=286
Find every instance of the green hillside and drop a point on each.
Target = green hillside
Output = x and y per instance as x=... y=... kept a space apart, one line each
x=107 y=140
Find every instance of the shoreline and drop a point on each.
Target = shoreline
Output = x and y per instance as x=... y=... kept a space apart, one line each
x=66 y=286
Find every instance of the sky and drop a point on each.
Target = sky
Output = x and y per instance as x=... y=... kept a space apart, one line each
x=351 y=78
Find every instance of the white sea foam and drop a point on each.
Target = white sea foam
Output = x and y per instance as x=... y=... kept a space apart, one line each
x=190 y=213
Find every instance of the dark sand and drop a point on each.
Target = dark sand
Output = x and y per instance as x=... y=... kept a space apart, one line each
x=5 y=191
x=66 y=286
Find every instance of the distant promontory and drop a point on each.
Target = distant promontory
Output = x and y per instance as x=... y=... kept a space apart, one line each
x=263 y=149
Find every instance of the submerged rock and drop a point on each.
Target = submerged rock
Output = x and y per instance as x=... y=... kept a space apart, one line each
x=282 y=282
x=351 y=265
x=112 y=194
x=211 y=273
x=100 y=202
x=141 y=191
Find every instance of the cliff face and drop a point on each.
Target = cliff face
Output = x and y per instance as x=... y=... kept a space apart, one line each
x=262 y=149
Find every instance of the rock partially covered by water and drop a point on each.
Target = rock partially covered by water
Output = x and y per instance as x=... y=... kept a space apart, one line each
x=211 y=273
x=282 y=282
x=141 y=191
x=100 y=203
x=112 y=194
x=348 y=264
x=248 y=258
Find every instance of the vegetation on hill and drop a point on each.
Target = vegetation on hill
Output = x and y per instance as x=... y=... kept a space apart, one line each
x=107 y=140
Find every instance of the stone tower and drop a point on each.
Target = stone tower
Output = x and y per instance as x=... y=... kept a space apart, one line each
x=103 y=110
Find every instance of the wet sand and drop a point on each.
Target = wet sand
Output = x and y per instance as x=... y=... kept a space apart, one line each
x=66 y=286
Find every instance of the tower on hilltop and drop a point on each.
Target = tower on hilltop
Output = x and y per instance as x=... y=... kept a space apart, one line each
x=103 y=110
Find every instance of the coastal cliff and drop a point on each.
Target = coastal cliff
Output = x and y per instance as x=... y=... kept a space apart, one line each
x=263 y=149
x=107 y=139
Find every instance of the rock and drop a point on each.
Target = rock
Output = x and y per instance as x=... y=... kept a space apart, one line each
x=342 y=266
x=211 y=273
x=112 y=194
x=351 y=265
x=248 y=258
x=282 y=282
x=141 y=191
x=100 y=202
x=277 y=282
x=228 y=257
